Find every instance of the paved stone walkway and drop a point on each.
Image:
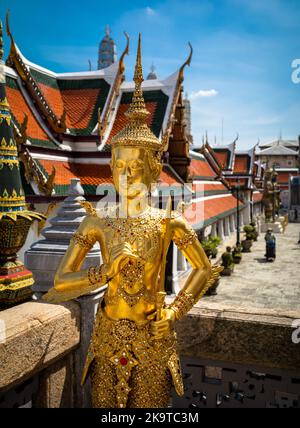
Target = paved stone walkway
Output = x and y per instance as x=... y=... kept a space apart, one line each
x=260 y=287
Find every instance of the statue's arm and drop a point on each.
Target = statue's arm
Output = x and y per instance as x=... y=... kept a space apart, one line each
x=71 y=282
x=202 y=273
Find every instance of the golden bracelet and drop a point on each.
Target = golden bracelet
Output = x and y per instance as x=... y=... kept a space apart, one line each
x=188 y=239
x=182 y=304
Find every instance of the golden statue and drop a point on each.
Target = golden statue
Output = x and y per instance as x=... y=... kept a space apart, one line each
x=132 y=356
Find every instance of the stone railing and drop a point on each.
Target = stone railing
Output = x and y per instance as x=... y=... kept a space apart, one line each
x=238 y=359
x=38 y=343
x=230 y=358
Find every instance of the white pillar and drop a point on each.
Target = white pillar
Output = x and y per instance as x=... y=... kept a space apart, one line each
x=221 y=229
x=175 y=263
x=181 y=263
x=247 y=214
x=214 y=230
x=227 y=227
x=232 y=224
x=242 y=218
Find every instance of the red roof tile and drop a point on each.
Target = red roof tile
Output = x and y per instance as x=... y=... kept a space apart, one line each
x=166 y=177
x=88 y=173
x=200 y=168
x=284 y=177
x=241 y=164
x=53 y=97
x=80 y=105
x=19 y=108
x=210 y=208
x=222 y=158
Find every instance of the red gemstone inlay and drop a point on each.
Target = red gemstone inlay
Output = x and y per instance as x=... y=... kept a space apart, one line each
x=123 y=361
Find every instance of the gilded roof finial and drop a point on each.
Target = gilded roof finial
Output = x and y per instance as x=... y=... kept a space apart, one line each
x=1 y=41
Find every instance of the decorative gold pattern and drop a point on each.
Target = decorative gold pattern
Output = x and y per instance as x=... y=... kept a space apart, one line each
x=34 y=173
x=127 y=370
x=97 y=276
x=188 y=239
x=182 y=304
x=90 y=210
x=83 y=241
x=215 y=275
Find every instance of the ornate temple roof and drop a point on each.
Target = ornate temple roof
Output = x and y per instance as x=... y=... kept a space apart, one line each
x=65 y=137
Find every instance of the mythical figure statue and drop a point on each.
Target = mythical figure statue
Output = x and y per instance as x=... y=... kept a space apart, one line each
x=271 y=195
x=132 y=357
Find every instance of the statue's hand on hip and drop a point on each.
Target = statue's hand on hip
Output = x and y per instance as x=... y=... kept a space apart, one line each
x=162 y=328
x=120 y=255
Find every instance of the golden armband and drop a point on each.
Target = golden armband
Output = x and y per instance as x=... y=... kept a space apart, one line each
x=187 y=239
x=83 y=241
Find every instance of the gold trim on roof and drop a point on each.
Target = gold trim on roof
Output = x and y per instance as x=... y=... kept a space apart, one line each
x=4 y=105
x=28 y=215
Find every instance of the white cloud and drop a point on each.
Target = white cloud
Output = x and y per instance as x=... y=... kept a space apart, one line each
x=150 y=11
x=203 y=94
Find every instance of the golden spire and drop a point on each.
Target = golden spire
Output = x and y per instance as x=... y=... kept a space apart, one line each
x=137 y=109
x=137 y=133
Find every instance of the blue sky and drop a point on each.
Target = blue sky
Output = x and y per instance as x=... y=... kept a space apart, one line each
x=243 y=51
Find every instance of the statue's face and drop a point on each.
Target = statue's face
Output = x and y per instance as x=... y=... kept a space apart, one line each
x=131 y=172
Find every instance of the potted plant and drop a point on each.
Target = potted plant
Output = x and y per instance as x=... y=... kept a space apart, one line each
x=207 y=247
x=215 y=242
x=227 y=262
x=237 y=254
x=247 y=243
x=210 y=246
x=254 y=231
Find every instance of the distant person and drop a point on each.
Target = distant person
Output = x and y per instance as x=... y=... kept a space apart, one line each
x=270 y=246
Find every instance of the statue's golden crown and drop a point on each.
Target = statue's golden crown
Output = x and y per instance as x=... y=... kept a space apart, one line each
x=137 y=133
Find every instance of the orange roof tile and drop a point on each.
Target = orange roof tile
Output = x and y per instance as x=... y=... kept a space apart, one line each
x=241 y=164
x=222 y=158
x=19 y=108
x=91 y=174
x=284 y=177
x=200 y=168
x=80 y=105
x=209 y=209
x=166 y=177
x=53 y=97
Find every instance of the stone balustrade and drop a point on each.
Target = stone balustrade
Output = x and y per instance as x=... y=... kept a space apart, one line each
x=37 y=347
